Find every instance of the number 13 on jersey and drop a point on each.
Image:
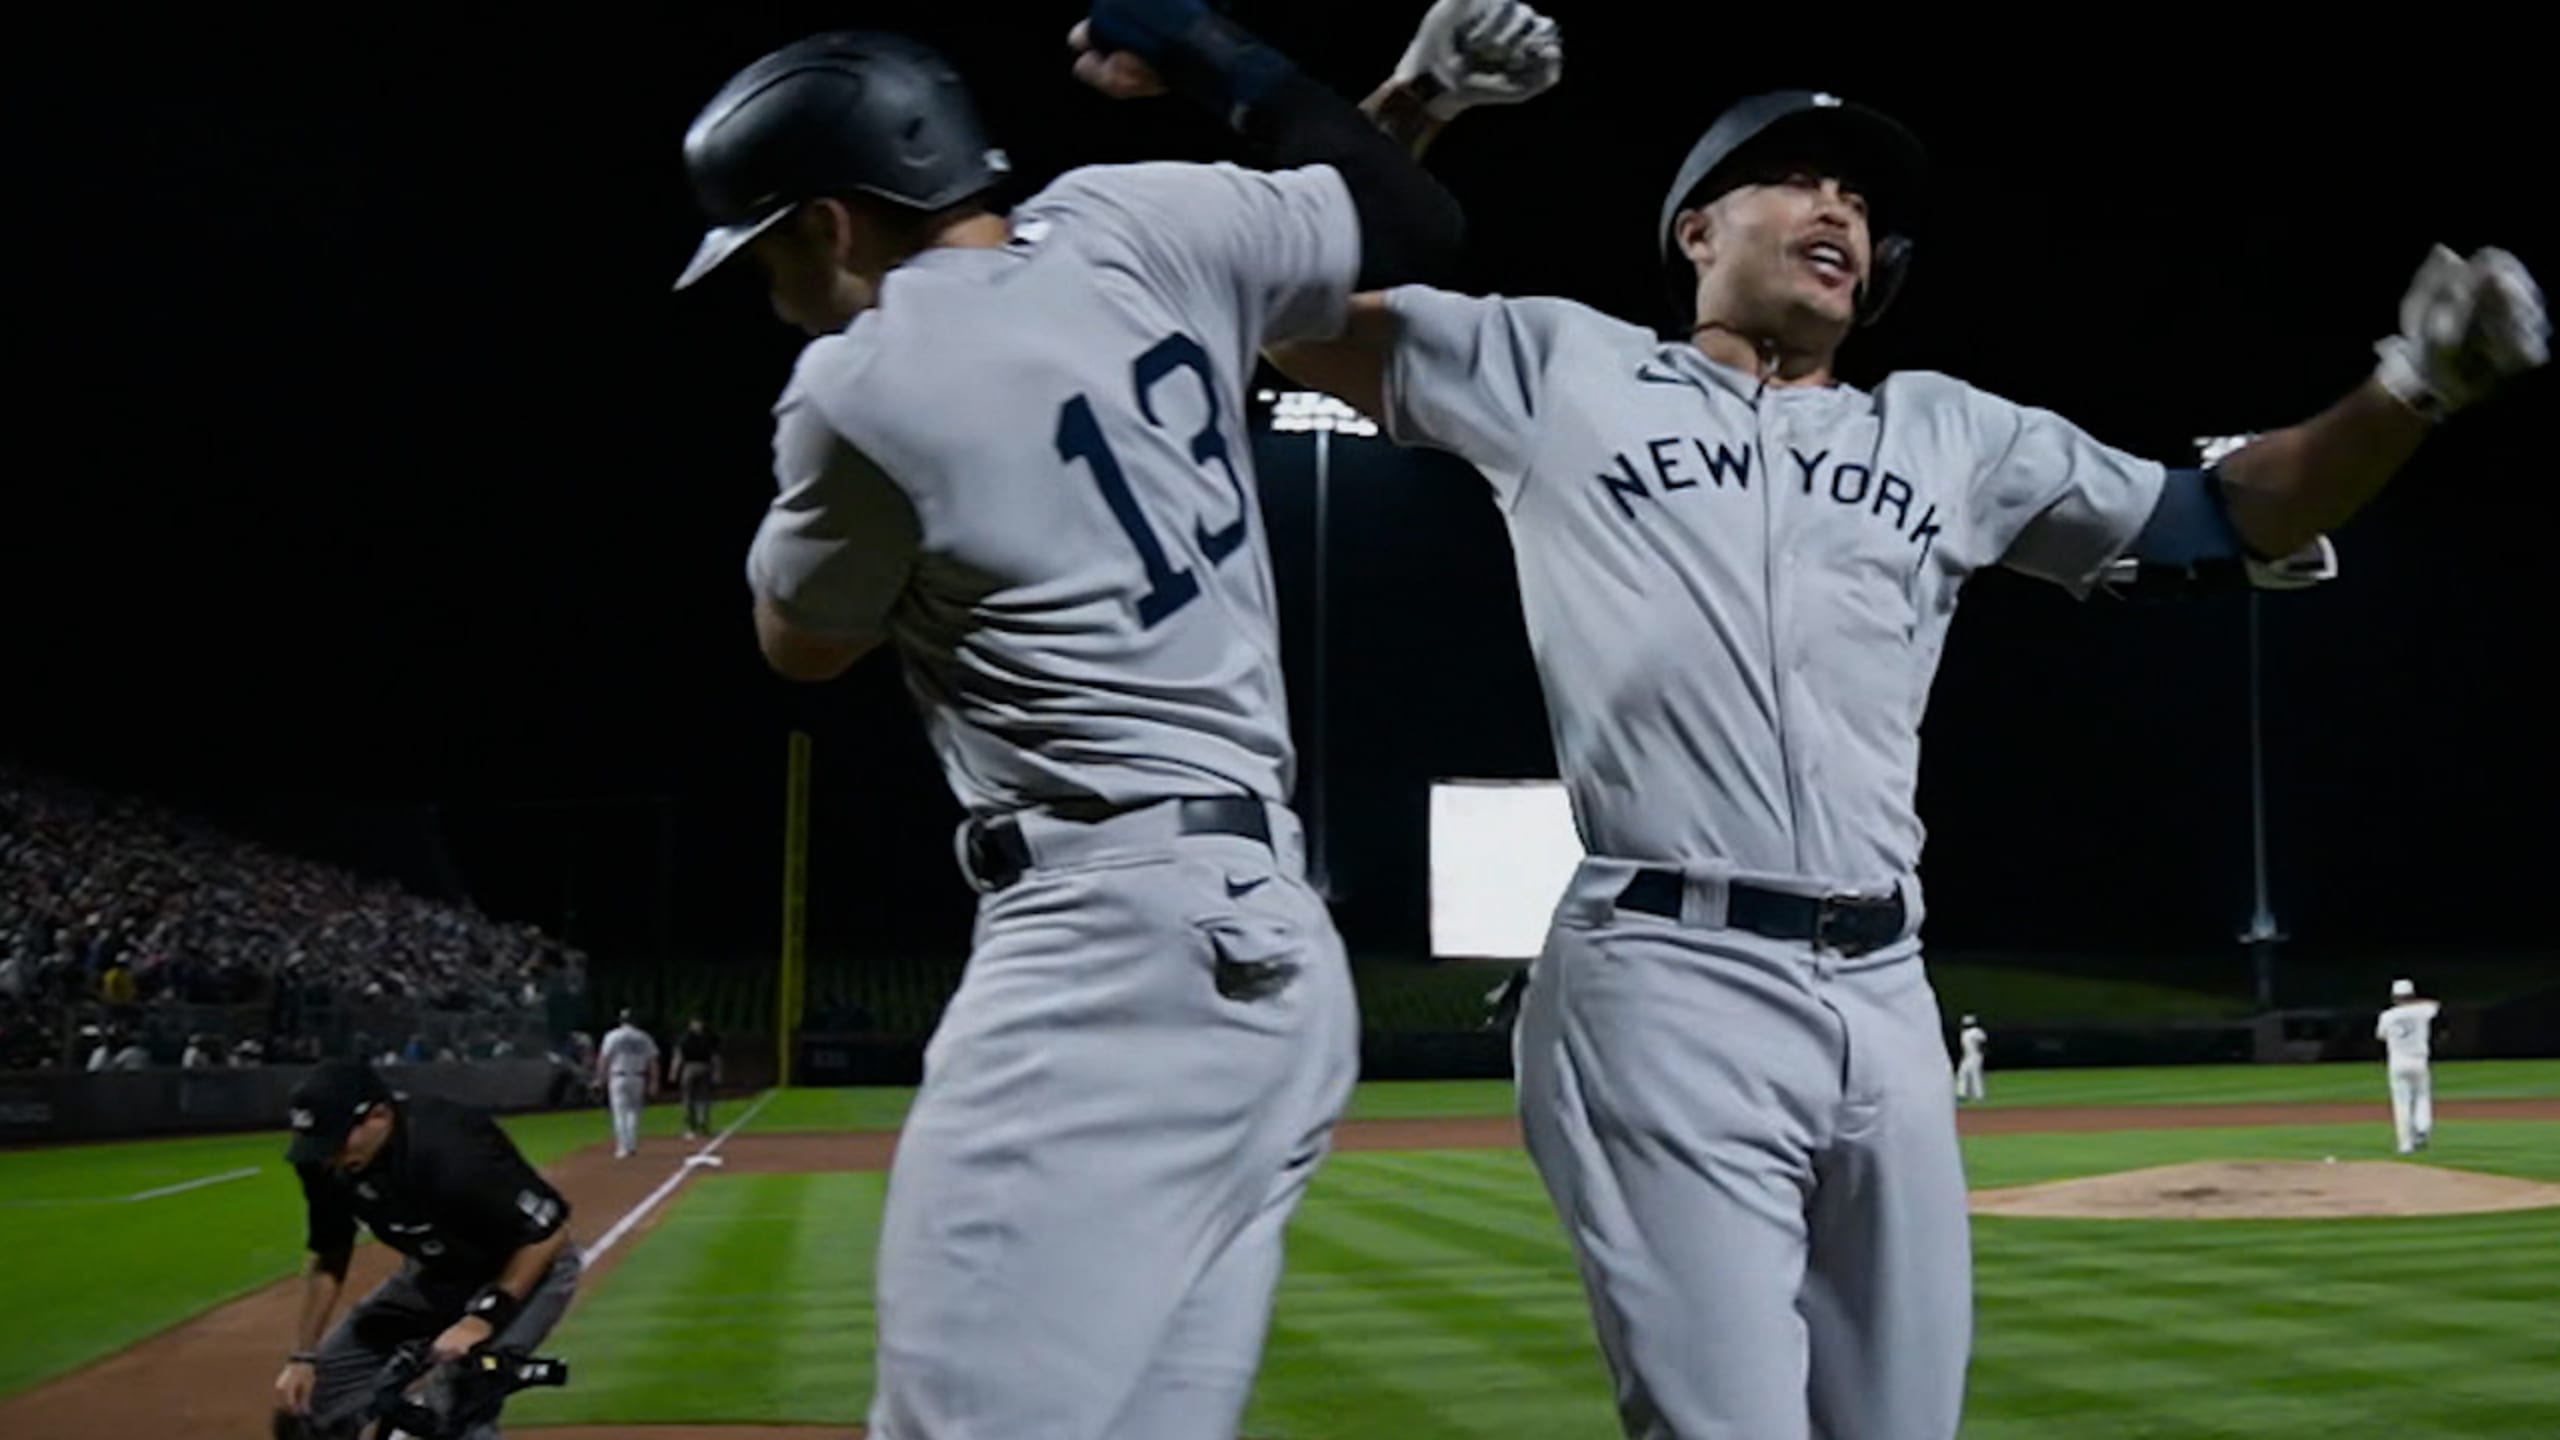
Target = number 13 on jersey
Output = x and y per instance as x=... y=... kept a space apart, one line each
x=1080 y=437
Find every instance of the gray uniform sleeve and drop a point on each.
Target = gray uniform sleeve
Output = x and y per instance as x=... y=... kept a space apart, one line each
x=840 y=539
x=2050 y=501
x=1282 y=246
x=1465 y=374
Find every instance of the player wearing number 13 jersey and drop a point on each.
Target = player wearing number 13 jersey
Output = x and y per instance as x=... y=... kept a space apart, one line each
x=1017 y=452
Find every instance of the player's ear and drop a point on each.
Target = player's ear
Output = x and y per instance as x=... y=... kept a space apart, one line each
x=1695 y=230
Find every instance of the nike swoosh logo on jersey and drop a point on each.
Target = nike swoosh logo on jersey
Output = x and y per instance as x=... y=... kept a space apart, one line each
x=1237 y=890
x=1652 y=376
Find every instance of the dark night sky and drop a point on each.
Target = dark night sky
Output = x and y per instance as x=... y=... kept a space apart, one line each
x=369 y=462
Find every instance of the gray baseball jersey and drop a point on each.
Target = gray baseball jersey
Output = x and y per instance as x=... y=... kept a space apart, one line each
x=1030 y=462
x=629 y=1052
x=2404 y=1030
x=1738 y=597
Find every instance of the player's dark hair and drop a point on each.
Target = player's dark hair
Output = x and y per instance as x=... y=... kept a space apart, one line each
x=906 y=228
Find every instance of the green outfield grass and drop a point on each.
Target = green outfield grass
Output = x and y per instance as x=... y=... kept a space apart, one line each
x=86 y=1270
x=881 y=1108
x=1432 y=1294
x=89 y=1270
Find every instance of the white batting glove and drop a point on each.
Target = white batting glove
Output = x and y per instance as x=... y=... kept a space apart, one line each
x=2466 y=328
x=1482 y=52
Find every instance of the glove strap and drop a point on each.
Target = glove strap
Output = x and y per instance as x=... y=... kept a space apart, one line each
x=2400 y=375
x=495 y=1306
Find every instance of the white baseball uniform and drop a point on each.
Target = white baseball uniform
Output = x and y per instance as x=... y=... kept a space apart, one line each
x=1030 y=465
x=2404 y=1029
x=1969 y=1067
x=629 y=1057
x=1737 y=596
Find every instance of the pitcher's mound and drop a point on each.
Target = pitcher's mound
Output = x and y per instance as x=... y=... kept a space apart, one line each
x=2269 y=1190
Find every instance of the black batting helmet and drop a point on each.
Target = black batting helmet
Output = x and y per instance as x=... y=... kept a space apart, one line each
x=1858 y=144
x=835 y=114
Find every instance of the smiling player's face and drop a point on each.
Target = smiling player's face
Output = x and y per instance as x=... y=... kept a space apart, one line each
x=1796 y=241
x=1786 y=250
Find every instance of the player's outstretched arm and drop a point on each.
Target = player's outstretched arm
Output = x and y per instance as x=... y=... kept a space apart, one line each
x=2467 y=328
x=1410 y=226
x=1464 y=54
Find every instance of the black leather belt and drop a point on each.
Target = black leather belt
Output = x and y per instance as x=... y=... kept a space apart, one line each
x=1847 y=924
x=998 y=855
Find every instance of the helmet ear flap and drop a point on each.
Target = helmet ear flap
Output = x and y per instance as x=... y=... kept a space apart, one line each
x=1892 y=266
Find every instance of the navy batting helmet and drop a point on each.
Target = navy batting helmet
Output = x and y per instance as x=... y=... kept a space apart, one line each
x=836 y=114
x=1861 y=146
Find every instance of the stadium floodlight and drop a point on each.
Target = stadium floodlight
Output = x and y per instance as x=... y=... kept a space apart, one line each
x=1304 y=412
x=2263 y=934
x=1312 y=412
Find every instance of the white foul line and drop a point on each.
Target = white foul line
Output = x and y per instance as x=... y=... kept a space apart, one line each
x=668 y=1186
x=185 y=1186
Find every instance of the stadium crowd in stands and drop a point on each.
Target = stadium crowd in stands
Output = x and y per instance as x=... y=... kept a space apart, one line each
x=121 y=909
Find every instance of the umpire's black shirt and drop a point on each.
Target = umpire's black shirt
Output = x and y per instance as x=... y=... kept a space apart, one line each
x=697 y=1046
x=448 y=1189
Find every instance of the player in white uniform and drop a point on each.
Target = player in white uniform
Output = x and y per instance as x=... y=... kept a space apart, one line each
x=627 y=1065
x=2404 y=1030
x=1737 y=573
x=1970 y=1039
x=1016 y=452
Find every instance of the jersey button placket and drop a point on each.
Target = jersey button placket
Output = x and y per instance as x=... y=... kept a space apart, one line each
x=1786 y=642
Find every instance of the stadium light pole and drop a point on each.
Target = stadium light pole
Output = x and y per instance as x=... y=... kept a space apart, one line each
x=2263 y=935
x=1300 y=412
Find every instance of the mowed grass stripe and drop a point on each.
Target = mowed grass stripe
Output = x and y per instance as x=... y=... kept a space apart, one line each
x=81 y=1282
x=2237 y=1328
x=1390 y=1280
x=751 y=1301
x=1440 y=1264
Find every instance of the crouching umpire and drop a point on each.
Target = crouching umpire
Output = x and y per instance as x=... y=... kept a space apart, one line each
x=490 y=1261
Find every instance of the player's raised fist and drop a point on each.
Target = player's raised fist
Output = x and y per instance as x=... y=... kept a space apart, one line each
x=1120 y=74
x=1481 y=52
x=2466 y=328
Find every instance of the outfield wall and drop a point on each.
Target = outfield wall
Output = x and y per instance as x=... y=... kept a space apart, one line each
x=2524 y=1029
x=42 y=1107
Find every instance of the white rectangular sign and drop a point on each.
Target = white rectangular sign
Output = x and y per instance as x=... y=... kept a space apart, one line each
x=1502 y=852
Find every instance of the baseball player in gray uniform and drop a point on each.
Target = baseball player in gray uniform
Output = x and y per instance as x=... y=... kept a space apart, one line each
x=1737 y=573
x=1971 y=1039
x=1016 y=453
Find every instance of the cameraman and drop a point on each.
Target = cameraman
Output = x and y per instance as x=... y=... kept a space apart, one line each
x=487 y=1241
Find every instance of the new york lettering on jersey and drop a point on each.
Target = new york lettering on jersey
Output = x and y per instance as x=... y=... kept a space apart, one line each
x=1738 y=593
x=1857 y=479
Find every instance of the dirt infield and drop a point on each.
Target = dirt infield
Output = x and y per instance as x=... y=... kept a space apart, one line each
x=800 y=1154
x=211 y=1375
x=2270 y=1190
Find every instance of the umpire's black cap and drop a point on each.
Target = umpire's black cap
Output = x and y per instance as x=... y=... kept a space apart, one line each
x=327 y=1104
